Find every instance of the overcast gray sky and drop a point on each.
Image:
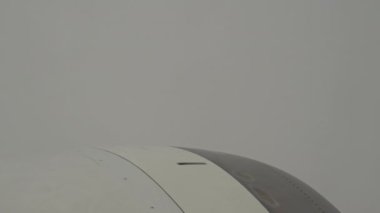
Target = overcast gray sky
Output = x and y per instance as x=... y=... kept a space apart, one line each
x=292 y=83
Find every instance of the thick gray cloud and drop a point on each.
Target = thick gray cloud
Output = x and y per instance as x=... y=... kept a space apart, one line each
x=291 y=83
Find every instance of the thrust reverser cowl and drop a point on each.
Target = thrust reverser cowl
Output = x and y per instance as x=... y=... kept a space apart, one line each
x=277 y=190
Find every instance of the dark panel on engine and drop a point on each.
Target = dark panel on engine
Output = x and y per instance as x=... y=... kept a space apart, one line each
x=277 y=190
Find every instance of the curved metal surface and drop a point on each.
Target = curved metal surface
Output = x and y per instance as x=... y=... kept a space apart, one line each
x=195 y=183
x=277 y=190
x=93 y=181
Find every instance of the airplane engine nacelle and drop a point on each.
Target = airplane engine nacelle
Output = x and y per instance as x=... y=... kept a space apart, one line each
x=156 y=179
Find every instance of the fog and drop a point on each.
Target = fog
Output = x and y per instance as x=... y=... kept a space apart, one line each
x=292 y=83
